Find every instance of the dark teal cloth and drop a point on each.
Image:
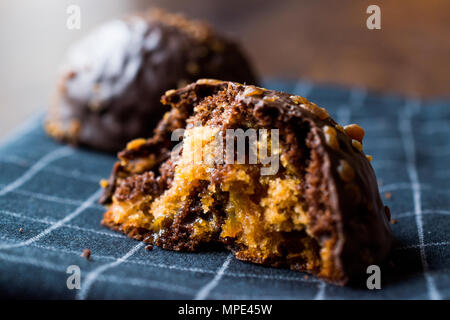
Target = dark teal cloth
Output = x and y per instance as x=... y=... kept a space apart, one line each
x=49 y=214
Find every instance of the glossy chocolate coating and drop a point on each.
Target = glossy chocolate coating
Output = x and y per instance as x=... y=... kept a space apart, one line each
x=110 y=88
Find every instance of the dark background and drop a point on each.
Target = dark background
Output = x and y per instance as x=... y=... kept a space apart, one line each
x=324 y=41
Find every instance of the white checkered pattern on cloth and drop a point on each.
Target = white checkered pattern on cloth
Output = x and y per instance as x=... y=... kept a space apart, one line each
x=49 y=191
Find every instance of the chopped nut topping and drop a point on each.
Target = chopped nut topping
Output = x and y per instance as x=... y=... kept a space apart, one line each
x=355 y=132
x=345 y=171
x=54 y=129
x=299 y=100
x=319 y=112
x=208 y=81
x=270 y=99
x=193 y=28
x=329 y=130
x=330 y=137
x=253 y=91
x=340 y=128
x=170 y=92
x=136 y=143
x=357 y=144
x=20 y=230
x=369 y=157
x=104 y=183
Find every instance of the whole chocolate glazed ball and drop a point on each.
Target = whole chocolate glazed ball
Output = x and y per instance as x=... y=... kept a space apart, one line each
x=110 y=87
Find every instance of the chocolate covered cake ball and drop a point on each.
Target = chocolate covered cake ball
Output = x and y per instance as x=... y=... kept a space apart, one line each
x=315 y=208
x=110 y=87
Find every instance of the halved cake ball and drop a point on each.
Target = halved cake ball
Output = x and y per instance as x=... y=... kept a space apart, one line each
x=111 y=84
x=300 y=194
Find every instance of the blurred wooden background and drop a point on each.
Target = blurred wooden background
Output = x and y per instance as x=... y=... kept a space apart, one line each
x=323 y=40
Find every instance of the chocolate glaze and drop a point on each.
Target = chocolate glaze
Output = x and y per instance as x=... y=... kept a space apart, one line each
x=111 y=84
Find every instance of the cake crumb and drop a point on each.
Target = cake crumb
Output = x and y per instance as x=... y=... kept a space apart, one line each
x=86 y=253
x=149 y=247
x=394 y=221
x=20 y=230
x=306 y=277
x=388 y=195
